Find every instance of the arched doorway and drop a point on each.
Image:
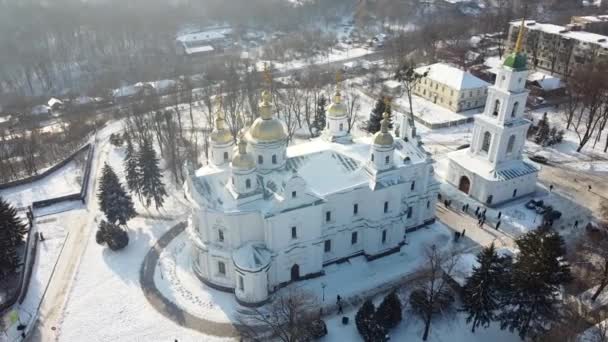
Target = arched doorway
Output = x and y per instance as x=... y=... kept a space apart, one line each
x=295 y=272
x=464 y=185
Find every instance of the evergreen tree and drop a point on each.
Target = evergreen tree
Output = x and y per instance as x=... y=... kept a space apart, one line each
x=483 y=289
x=542 y=131
x=319 y=121
x=375 y=117
x=368 y=327
x=389 y=312
x=539 y=271
x=115 y=237
x=114 y=201
x=131 y=170
x=151 y=186
x=12 y=231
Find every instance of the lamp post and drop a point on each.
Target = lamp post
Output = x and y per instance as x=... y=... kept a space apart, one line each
x=323 y=286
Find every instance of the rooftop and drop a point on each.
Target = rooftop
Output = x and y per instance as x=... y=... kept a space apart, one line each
x=324 y=167
x=452 y=76
x=582 y=36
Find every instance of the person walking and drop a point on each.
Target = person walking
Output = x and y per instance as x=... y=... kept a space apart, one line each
x=477 y=212
x=499 y=214
x=463 y=231
x=498 y=224
x=551 y=188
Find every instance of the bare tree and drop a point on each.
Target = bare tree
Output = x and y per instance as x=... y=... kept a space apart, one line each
x=353 y=106
x=288 y=318
x=407 y=75
x=432 y=295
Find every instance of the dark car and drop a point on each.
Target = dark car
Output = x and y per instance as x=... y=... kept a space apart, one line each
x=462 y=147
x=539 y=159
x=532 y=204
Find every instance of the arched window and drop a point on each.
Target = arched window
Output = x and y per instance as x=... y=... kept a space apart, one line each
x=341 y=127
x=274 y=158
x=225 y=156
x=372 y=157
x=260 y=159
x=248 y=183
x=514 y=111
x=496 y=107
x=387 y=159
x=510 y=144
x=487 y=139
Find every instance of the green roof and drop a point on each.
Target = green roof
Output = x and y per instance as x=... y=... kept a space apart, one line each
x=516 y=61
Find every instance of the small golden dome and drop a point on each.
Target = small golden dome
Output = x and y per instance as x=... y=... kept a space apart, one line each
x=220 y=135
x=242 y=160
x=337 y=109
x=383 y=137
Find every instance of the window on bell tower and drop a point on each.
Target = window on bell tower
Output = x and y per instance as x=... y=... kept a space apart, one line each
x=496 y=107
x=487 y=139
x=514 y=111
x=510 y=144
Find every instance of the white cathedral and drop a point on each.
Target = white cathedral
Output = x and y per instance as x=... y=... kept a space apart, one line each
x=492 y=170
x=265 y=215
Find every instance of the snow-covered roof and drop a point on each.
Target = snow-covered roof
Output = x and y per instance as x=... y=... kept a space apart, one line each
x=204 y=36
x=252 y=257
x=545 y=81
x=594 y=18
x=198 y=49
x=505 y=171
x=323 y=167
x=582 y=36
x=452 y=76
x=54 y=101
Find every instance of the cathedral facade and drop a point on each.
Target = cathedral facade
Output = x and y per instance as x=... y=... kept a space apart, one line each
x=492 y=170
x=265 y=215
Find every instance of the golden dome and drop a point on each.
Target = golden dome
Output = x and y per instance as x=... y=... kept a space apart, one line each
x=220 y=135
x=267 y=130
x=337 y=109
x=266 y=127
x=243 y=160
x=383 y=137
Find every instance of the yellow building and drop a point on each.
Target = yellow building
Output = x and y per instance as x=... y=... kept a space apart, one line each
x=451 y=88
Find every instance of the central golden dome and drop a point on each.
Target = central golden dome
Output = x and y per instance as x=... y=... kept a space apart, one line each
x=267 y=130
x=266 y=127
x=337 y=109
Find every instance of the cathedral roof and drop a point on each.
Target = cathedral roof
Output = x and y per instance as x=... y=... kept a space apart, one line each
x=517 y=59
x=324 y=168
x=242 y=160
x=337 y=109
x=384 y=137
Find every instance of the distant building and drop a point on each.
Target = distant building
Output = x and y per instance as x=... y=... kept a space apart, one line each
x=203 y=42
x=592 y=23
x=451 y=88
x=559 y=49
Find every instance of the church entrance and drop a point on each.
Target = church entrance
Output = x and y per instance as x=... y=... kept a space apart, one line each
x=464 y=185
x=295 y=272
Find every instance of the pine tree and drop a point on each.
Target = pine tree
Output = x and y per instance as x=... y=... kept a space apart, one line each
x=114 y=201
x=131 y=170
x=367 y=325
x=373 y=124
x=542 y=131
x=115 y=237
x=12 y=231
x=389 y=313
x=151 y=185
x=483 y=289
x=539 y=271
x=319 y=121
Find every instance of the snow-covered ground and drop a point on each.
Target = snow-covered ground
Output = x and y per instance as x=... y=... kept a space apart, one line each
x=62 y=182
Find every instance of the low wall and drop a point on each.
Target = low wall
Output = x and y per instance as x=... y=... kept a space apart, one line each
x=46 y=172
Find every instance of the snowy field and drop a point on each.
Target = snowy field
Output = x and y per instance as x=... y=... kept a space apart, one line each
x=62 y=182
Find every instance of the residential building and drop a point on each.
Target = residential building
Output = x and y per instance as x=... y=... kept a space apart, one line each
x=451 y=88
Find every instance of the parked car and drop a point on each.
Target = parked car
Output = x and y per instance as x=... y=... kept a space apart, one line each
x=539 y=159
x=555 y=215
x=540 y=210
x=532 y=204
x=462 y=147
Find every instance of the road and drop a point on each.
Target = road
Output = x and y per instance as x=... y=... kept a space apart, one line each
x=55 y=299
